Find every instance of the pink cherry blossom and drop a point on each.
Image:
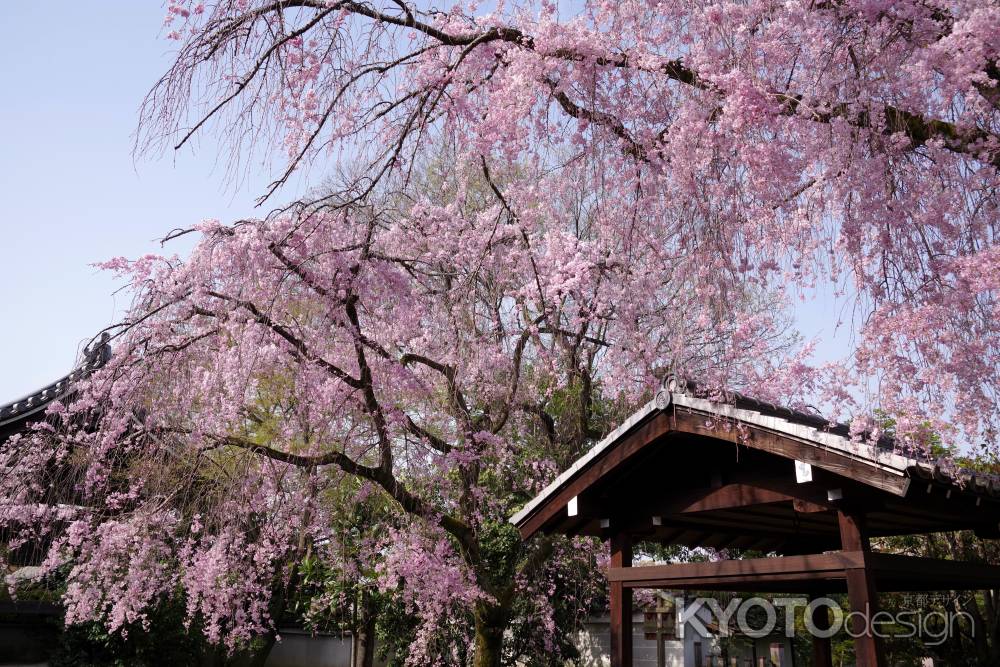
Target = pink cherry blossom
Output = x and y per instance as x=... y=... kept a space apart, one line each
x=538 y=213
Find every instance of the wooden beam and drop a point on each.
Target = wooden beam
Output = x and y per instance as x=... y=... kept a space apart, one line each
x=895 y=572
x=750 y=571
x=891 y=572
x=852 y=534
x=864 y=598
x=621 y=603
x=695 y=530
x=806 y=507
x=792 y=448
x=784 y=517
x=732 y=496
x=749 y=526
x=749 y=504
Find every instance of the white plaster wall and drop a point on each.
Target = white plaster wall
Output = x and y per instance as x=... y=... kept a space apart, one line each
x=298 y=649
x=594 y=643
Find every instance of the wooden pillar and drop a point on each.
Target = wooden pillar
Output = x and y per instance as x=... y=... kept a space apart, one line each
x=852 y=532
x=822 y=652
x=861 y=591
x=621 y=604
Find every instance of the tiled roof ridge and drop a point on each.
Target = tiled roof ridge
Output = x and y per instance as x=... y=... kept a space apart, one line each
x=837 y=436
x=95 y=355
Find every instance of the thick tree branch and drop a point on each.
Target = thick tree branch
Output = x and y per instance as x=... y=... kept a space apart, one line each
x=454 y=393
x=299 y=348
x=372 y=404
x=887 y=119
x=617 y=128
x=385 y=479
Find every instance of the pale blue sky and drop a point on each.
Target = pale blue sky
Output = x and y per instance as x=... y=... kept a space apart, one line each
x=72 y=76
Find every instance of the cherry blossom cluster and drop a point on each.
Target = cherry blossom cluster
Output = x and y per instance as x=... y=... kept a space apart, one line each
x=850 y=142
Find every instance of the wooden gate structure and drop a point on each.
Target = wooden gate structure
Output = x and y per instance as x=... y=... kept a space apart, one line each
x=744 y=474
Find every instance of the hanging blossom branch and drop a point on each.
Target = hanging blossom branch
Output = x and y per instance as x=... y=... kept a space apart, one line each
x=301 y=42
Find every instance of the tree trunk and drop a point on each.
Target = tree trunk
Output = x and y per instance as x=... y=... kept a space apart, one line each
x=364 y=635
x=364 y=647
x=491 y=621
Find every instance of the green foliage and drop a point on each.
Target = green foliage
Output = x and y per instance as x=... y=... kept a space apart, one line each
x=395 y=630
x=166 y=639
x=167 y=642
x=500 y=547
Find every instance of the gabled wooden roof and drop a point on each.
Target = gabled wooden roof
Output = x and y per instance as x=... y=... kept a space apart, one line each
x=674 y=461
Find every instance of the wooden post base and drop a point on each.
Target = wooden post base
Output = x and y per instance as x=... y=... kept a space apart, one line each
x=621 y=604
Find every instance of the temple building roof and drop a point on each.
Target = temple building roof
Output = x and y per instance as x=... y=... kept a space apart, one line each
x=16 y=415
